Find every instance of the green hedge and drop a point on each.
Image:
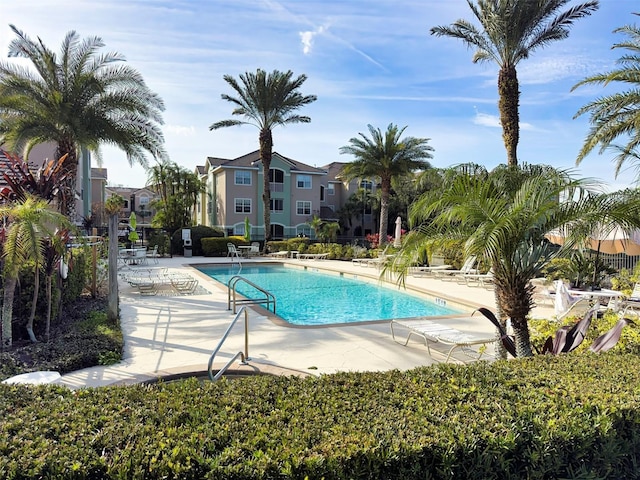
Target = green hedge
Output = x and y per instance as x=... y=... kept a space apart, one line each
x=197 y=234
x=217 y=247
x=574 y=416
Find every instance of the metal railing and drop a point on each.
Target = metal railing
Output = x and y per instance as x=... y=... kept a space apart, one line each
x=244 y=356
x=269 y=298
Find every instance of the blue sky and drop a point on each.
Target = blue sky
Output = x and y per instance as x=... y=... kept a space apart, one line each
x=368 y=62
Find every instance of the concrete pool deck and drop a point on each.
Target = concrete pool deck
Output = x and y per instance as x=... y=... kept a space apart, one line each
x=167 y=335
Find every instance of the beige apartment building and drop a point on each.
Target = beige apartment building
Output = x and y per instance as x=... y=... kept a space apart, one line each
x=299 y=192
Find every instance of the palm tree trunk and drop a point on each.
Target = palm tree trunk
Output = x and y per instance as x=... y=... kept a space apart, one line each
x=266 y=144
x=47 y=332
x=67 y=191
x=522 y=340
x=7 y=310
x=112 y=297
x=32 y=315
x=385 y=189
x=509 y=96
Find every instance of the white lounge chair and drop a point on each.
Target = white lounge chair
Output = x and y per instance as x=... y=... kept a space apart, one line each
x=468 y=267
x=435 y=332
x=280 y=254
x=427 y=271
x=566 y=304
x=478 y=279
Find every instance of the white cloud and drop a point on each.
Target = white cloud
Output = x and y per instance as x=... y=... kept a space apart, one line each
x=307 y=39
x=180 y=130
x=493 y=121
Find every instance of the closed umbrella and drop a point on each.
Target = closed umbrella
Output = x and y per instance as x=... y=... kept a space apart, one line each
x=397 y=241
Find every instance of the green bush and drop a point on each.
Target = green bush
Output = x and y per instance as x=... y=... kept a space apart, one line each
x=572 y=416
x=541 y=329
x=160 y=239
x=197 y=234
x=217 y=247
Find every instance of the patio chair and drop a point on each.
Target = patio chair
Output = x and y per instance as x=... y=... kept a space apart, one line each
x=631 y=305
x=567 y=304
x=154 y=254
x=468 y=267
x=232 y=251
x=254 y=251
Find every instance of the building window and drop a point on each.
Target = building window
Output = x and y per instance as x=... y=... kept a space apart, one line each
x=143 y=200
x=366 y=185
x=126 y=204
x=276 y=205
x=322 y=193
x=304 y=181
x=276 y=180
x=303 y=208
x=243 y=205
x=331 y=189
x=243 y=177
x=238 y=229
x=303 y=231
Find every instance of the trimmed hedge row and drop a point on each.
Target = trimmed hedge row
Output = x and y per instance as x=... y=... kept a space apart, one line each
x=545 y=417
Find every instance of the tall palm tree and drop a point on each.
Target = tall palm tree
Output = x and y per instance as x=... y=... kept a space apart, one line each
x=511 y=31
x=617 y=115
x=502 y=218
x=80 y=98
x=266 y=100
x=385 y=156
x=29 y=223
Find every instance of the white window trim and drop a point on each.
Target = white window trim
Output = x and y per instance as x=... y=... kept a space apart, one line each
x=235 y=178
x=300 y=203
x=304 y=176
x=235 y=205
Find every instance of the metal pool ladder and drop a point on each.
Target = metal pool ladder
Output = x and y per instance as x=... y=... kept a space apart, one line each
x=269 y=298
x=244 y=356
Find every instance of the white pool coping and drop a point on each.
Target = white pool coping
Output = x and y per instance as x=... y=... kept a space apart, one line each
x=165 y=334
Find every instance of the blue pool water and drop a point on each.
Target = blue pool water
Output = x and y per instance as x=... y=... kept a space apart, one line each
x=306 y=297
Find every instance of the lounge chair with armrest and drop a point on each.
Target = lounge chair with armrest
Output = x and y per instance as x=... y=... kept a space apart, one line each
x=467 y=268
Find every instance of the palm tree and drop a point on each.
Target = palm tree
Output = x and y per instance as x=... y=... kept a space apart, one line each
x=179 y=190
x=511 y=31
x=617 y=115
x=502 y=218
x=79 y=99
x=385 y=156
x=29 y=223
x=266 y=100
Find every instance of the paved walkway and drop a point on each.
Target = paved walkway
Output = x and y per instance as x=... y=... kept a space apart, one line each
x=171 y=334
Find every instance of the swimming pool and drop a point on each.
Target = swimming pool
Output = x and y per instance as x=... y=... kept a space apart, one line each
x=306 y=297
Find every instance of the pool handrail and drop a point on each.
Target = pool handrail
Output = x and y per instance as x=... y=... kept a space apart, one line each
x=244 y=356
x=231 y=286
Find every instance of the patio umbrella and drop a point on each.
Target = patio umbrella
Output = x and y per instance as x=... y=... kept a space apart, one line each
x=397 y=241
x=604 y=240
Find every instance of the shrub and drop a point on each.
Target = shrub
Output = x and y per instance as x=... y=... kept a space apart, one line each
x=572 y=416
x=197 y=234
x=217 y=247
x=160 y=239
